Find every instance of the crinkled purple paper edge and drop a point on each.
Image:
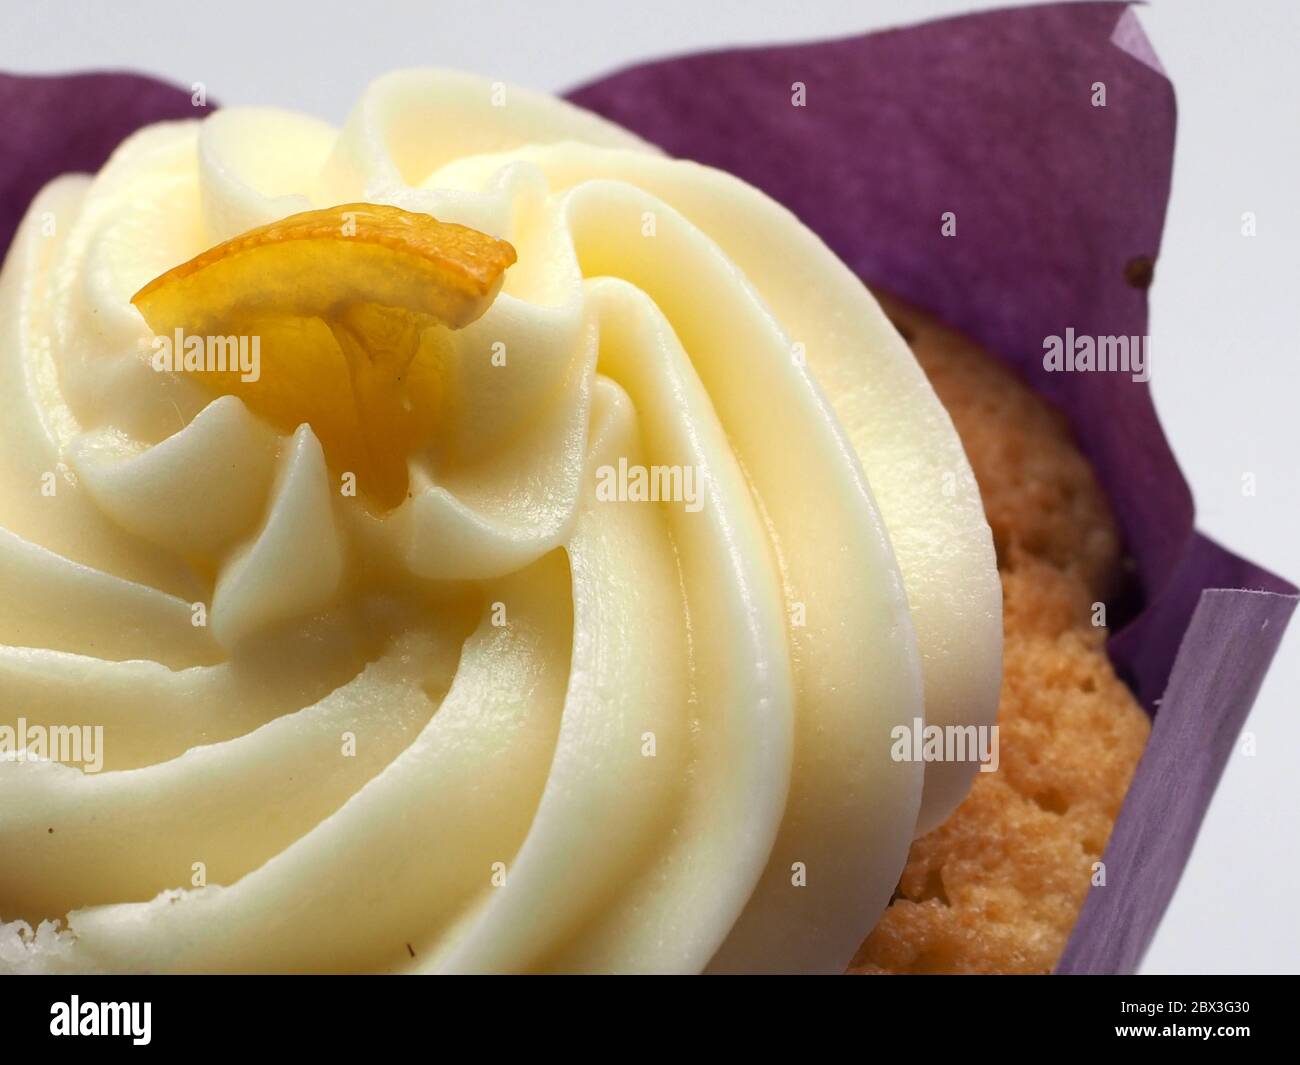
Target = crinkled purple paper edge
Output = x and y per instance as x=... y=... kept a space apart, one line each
x=70 y=123
x=988 y=116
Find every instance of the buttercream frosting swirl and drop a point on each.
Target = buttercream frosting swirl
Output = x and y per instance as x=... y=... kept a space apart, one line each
x=511 y=724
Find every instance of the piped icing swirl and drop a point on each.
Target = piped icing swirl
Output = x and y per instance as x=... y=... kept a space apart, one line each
x=510 y=724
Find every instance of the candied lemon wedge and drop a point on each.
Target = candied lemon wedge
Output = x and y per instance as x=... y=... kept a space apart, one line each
x=347 y=309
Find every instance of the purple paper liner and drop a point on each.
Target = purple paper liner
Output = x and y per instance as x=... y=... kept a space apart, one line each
x=1059 y=208
x=68 y=123
x=1225 y=653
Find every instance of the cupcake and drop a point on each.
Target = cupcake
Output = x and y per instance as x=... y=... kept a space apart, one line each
x=475 y=541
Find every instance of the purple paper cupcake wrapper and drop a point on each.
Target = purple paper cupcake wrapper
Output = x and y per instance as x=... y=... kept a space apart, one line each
x=1058 y=205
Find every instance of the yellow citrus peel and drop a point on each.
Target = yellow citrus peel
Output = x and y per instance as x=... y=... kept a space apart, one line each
x=349 y=305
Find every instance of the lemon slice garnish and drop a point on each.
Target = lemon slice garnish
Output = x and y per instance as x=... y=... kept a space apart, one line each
x=349 y=307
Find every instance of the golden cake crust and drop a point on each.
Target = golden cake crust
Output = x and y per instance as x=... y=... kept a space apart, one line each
x=998 y=886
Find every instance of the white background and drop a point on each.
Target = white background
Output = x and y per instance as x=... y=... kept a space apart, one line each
x=1225 y=309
